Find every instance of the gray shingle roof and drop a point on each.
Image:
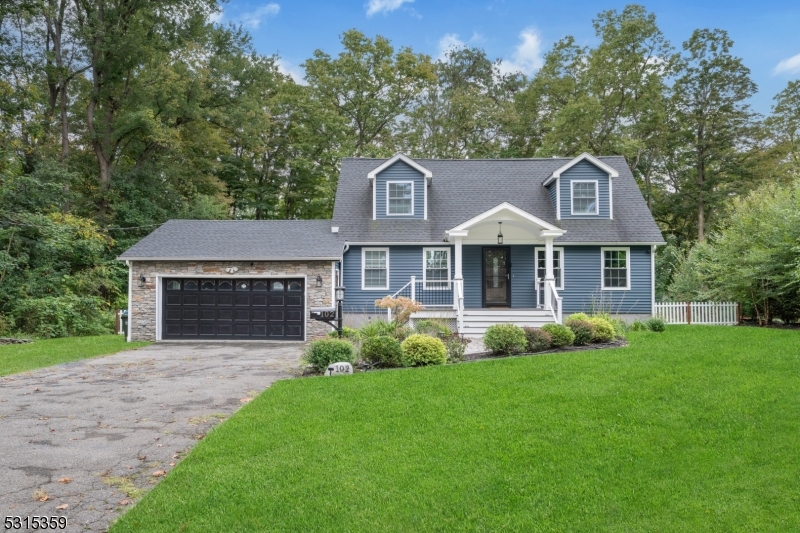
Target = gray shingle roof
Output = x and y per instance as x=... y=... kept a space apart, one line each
x=462 y=189
x=239 y=240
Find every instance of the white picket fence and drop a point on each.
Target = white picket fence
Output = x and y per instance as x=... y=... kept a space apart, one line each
x=714 y=313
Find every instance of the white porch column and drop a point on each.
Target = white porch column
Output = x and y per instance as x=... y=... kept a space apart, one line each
x=548 y=271
x=459 y=274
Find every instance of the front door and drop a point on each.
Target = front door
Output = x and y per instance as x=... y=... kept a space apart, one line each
x=496 y=277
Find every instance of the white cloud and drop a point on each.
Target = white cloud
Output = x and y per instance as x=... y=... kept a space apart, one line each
x=448 y=42
x=790 y=65
x=527 y=56
x=254 y=18
x=216 y=17
x=290 y=69
x=384 y=6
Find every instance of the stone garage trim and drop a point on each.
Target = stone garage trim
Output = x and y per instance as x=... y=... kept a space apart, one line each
x=144 y=304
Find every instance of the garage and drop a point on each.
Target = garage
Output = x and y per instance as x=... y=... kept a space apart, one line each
x=241 y=308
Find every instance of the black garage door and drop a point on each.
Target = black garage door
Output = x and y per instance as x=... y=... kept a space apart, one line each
x=233 y=309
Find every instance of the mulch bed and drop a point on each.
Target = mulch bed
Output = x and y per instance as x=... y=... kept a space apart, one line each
x=483 y=356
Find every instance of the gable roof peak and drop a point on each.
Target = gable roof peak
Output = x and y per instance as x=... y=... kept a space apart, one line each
x=585 y=156
x=399 y=156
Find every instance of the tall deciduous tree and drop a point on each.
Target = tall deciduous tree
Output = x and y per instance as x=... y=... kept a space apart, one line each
x=784 y=124
x=370 y=86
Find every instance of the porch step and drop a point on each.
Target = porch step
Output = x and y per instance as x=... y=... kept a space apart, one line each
x=476 y=321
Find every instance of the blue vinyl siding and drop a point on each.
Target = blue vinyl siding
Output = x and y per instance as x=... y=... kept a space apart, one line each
x=523 y=272
x=585 y=171
x=583 y=282
x=551 y=189
x=404 y=262
x=400 y=171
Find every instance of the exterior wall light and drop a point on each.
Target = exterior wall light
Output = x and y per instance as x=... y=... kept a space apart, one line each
x=142 y=281
x=319 y=281
x=500 y=233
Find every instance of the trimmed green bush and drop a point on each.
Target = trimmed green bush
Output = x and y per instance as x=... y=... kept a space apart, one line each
x=603 y=330
x=421 y=349
x=321 y=353
x=560 y=335
x=620 y=327
x=577 y=316
x=638 y=325
x=376 y=328
x=656 y=324
x=538 y=340
x=347 y=333
x=434 y=328
x=383 y=350
x=583 y=330
x=505 y=339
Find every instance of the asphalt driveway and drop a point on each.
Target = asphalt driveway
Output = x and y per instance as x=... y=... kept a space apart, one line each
x=91 y=434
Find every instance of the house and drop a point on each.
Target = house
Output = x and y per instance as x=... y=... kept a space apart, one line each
x=477 y=242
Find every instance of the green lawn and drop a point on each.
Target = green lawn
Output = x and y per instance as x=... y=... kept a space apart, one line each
x=696 y=429
x=21 y=357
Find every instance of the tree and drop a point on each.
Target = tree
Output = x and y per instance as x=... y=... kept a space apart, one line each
x=784 y=125
x=370 y=86
x=712 y=125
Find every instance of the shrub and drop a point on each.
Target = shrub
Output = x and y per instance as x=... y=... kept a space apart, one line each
x=538 y=340
x=455 y=345
x=656 y=324
x=433 y=328
x=423 y=350
x=383 y=350
x=377 y=328
x=560 y=334
x=583 y=330
x=403 y=307
x=402 y=333
x=505 y=339
x=347 y=333
x=322 y=353
x=62 y=316
x=620 y=327
x=603 y=330
x=578 y=316
x=638 y=325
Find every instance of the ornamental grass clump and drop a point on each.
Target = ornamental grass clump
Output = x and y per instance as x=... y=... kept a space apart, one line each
x=434 y=328
x=383 y=350
x=603 y=330
x=323 y=352
x=656 y=324
x=419 y=350
x=538 y=340
x=504 y=339
x=583 y=330
x=561 y=335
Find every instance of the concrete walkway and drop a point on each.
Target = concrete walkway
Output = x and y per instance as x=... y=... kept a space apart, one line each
x=90 y=434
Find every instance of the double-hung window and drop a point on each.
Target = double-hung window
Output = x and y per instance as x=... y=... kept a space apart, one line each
x=584 y=197
x=375 y=268
x=436 y=268
x=616 y=268
x=558 y=265
x=399 y=198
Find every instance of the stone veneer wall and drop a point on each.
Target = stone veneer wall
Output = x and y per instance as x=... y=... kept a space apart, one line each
x=142 y=306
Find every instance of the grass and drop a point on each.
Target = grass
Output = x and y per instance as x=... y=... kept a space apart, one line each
x=23 y=357
x=695 y=429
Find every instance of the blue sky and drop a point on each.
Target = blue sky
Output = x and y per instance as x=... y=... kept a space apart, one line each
x=765 y=32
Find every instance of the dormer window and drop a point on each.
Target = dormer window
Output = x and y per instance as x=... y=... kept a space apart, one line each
x=400 y=198
x=584 y=197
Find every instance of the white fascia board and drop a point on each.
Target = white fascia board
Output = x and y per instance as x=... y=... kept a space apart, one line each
x=405 y=159
x=611 y=243
x=585 y=156
x=387 y=243
x=507 y=207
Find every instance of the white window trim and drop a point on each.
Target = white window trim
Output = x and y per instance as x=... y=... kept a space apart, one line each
x=603 y=267
x=572 y=198
x=363 y=265
x=388 y=214
x=425 y=269
x=536 y=263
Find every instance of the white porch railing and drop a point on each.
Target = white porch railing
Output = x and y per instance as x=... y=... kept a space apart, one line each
x=431 y=294
x=554 y=303
x=459 y=304
x=710 y=313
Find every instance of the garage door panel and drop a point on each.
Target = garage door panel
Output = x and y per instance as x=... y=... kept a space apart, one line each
x=233 y=308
